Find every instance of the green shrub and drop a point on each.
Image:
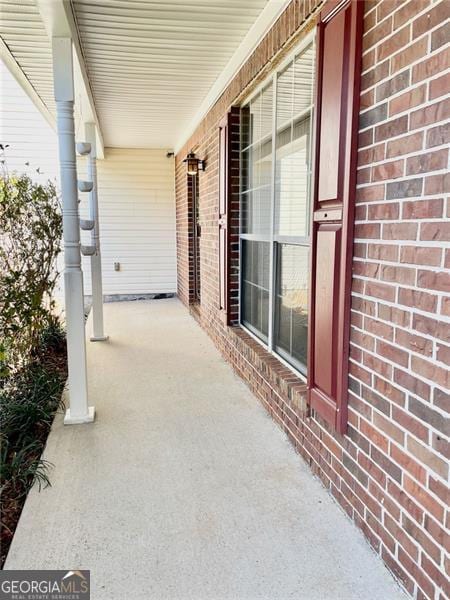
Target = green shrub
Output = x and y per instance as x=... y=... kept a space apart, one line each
x=30 y=231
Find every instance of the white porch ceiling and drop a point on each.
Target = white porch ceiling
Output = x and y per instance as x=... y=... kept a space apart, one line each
x=153 y=65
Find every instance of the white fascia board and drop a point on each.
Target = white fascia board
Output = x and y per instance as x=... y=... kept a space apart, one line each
x=16 y=71
x=58 y=20
x=260 y=27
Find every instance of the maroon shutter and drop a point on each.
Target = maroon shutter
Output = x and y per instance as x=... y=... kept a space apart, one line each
x=338 y=69
x=223 y=214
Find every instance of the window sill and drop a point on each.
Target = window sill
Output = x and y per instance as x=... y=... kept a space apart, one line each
x=283 y=382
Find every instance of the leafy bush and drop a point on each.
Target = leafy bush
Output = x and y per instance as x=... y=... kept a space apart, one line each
x=32 y=341
x=31 y=229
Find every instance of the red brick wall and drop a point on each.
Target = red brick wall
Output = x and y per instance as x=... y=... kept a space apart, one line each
x=390 y=472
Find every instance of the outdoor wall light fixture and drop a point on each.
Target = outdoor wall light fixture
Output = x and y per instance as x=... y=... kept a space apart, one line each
x=194 y=164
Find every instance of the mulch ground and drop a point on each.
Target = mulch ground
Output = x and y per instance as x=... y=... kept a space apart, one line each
x=54 y=359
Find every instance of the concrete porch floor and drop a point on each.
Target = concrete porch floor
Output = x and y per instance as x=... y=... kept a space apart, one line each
x=184 y=488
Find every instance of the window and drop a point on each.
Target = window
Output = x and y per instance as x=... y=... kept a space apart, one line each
x=275 y=209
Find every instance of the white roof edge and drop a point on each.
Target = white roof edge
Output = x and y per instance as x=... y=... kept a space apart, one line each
x=15 y=70
x=263 y=23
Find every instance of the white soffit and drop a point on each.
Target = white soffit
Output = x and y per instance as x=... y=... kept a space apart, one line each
x=152 y=64
x=25 y=42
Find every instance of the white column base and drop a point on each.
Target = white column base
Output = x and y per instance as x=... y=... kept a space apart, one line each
x=99 y=338
x=69 y=420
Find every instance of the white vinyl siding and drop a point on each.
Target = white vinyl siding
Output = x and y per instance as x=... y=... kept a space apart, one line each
x=24 y=129
x=137 y=221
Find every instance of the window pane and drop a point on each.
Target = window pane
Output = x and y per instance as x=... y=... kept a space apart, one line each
x=255 y=287
x=291 y=303
x=256 y=163
x=292 y=180
x=292 y=169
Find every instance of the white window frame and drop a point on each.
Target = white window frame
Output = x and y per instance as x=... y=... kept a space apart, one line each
x=272 y=238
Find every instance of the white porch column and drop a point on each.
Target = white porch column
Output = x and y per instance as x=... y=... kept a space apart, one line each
x=78 y=410
x=96 y=258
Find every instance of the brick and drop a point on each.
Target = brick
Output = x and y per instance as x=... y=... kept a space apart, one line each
x=404 y=189
x=434 y=280
x=405 y=541
x=362 y=305
x=438 y=135
x=367 y=99
x=410 y=423
x=377 y=33
x=372 y=77
x=375 y=115
x=413 y=298
x=431 y=371
x=402 y=275
x=398 y=571
x=408 y=100
x=436 y=531
x=440 y=36
x=423 y=209
x=434 y=65
x=437 y=184
x=389 y=428
x=439 y=111
x=409 y=55
x=441 y=490
x=427 y=457
x=392 y=353
x=445 y=307
x=383 y=252
x=399 y=231
x=432 y=327
x=423 y=163
x=363 y=176
x=405 y=501
x=441 y=445
x=378 y=402
x=435 y=231
x=439 y=86
x=419 y=494
x=436 y=575
x=392 y=86
x=394 y=43
x=375 y=363
x=365 y=138
x=386 y=464
x=408 y=11
x=392 y=128
x=430 y=19
x=420 y=255
x=380 y=212
x=388 y=170
x=405 y=145
x=412 y=342
x=380 y=290
x=443 y=354
x=408 y=463
x=367 y=230
x=371 y=193
x=355 y=469
x=447 y=259
x=370 y=155
x=379 y=329
x=426 y=414
x=394 y=315
x=412 y=383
